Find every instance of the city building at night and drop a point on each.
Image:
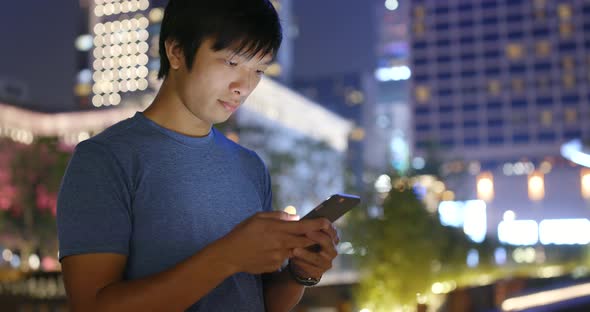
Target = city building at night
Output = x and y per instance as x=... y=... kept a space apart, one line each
x=374 y=97
x=497 y=88
x=388 y=139
x=345 y=95
x=125 y=52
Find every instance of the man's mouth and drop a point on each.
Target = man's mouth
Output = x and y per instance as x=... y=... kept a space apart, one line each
x=231 y=107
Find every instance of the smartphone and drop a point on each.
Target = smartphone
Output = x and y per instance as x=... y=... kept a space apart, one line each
x=334 y=207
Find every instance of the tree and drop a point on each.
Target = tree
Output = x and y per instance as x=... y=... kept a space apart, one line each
x=34 y=176
x=406 y=250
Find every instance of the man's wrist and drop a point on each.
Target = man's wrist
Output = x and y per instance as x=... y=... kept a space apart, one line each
x=219 y=250
x=301 y=280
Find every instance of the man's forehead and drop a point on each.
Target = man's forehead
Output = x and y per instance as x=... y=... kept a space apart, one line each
x=259 y=58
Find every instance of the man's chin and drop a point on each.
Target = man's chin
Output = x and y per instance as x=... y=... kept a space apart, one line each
x=221 y=120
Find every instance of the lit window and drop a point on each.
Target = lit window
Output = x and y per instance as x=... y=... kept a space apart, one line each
x=565 y=30
x=274 y=70
x=355 y=97
x=542 y=48
x=569 y=81
x=585 y=182
x=571 y=116
x=514 y=51
x=539 y=4
x=546 y=118
x=565 y=12
x=567 y=62
x=422 y=94
x=156 y=15
x=517 y=85
x=82 y=89
x=485 y=186
x=494 y=87
x=419 y=12
x=419 y=29
x=357 y=134
x=536 y=186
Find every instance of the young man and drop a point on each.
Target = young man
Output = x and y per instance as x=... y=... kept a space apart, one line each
x=161 y=212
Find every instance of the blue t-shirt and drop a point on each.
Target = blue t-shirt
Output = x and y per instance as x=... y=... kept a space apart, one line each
x=158 y=197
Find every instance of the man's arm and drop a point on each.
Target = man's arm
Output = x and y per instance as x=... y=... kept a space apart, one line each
x=281 y=292
x=94 y=282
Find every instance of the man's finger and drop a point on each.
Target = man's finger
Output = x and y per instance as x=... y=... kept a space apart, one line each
x=332 y=232
x=320 y=260
x=325 y=242
x=293 y=241
x=321 y=237
x=302 y=227
x=304 y=269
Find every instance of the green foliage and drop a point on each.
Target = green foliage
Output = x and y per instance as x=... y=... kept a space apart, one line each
x=35 y=171
x=406 y=250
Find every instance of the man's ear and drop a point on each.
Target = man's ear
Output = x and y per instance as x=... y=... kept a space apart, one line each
x=174 y=53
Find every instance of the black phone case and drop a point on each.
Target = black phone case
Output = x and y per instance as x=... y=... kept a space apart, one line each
x=334 y=207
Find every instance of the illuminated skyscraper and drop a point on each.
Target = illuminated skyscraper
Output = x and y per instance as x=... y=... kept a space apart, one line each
x=498 y=87
x=500 y=78
x=388 y=142
x=121 y=53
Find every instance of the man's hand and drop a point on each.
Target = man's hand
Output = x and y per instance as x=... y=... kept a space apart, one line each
x=262 y=243
x=308 y=263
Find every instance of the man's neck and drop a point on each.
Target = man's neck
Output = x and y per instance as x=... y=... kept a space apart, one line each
x=168 y=111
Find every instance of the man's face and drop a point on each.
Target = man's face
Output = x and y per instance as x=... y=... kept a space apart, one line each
x=219 y=82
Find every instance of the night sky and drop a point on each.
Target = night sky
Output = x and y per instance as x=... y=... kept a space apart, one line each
x=38 y=50
x=334 y=37
x=38 y=45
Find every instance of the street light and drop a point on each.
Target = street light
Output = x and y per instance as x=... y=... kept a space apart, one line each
x=485 y=186
x=536 y=182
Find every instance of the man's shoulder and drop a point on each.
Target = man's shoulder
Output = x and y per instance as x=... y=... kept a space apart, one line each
x=112 y=143
x=248 y=157
x=119 y=131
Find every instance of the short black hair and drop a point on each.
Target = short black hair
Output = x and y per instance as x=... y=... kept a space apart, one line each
x=248 y=27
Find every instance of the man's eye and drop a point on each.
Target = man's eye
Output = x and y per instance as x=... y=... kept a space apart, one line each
x=230 y=63
x=260 y=72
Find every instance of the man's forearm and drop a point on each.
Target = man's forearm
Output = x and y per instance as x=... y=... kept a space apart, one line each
x=281 y=292
x=172 y=290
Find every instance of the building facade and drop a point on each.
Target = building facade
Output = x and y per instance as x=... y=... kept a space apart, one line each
x=498 y=87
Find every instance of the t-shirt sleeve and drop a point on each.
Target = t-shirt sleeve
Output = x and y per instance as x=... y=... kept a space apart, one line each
x=265 y=183
x=94 y=204
x=267 y=191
